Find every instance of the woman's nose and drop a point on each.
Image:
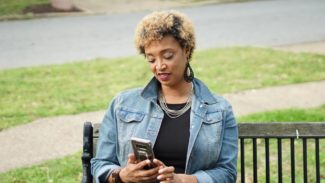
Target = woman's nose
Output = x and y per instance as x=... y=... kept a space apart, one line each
x=160 y=66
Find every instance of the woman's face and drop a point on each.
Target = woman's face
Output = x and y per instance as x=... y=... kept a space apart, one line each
x=167 y=60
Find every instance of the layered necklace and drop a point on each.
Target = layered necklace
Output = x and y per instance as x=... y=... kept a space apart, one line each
x=171 y=112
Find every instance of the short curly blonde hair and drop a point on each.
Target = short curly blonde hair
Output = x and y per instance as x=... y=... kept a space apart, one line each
x=158 y=24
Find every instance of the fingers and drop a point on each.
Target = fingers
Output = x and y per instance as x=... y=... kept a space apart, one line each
x=163 y=177
x=149 y=178
x=166 y=170
x=131 y=158
x=136 y=172
x=147 y=175
x=143 y=163
x=168 y=180
x=166 y=174
x=158 y=163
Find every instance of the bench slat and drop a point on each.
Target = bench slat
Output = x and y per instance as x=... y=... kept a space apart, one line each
x=271 y=130
x=281 y=130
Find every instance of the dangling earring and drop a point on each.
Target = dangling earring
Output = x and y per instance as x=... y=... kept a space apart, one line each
x=188 y=74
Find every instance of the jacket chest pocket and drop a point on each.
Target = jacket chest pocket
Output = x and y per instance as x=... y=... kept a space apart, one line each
x=209 y=138
x=128 y=122
x=212 y=125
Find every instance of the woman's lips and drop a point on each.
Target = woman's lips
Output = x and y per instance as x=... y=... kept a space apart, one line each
x=163 y=76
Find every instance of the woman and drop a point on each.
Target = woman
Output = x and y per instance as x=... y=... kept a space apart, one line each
x=193 y=132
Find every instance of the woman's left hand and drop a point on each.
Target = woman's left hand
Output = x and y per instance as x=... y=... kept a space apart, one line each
x=166 y=173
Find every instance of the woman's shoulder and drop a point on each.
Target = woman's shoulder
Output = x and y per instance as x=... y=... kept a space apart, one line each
x=133 y=93
x=211 y=95
x=129 y=96
x=130 y=92
x=221 y=99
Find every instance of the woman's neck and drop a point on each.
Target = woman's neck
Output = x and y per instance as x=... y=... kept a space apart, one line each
x=177 y=95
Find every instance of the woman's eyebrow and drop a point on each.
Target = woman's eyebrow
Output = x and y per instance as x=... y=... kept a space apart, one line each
x=160 y=52
x=167 y=50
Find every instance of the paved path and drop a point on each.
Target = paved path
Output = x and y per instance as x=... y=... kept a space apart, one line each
x=312 y=47
x=305 y=95
x=64 y=39
x=42 y=139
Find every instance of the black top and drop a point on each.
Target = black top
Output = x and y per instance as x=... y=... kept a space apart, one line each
x=172 y=141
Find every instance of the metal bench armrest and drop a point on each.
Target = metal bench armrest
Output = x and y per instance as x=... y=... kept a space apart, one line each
x=87 y=152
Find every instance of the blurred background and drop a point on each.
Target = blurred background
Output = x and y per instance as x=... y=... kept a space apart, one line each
x=62 y=61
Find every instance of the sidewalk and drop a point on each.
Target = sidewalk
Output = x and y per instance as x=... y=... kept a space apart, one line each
x=19 y=144
x=312 y=47
x=123 y=6
x=127 y=6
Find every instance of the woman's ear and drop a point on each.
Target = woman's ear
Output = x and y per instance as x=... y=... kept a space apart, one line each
x=187 y=52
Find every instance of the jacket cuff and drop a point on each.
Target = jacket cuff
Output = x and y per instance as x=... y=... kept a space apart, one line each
x=202 y=177
x=104 y=173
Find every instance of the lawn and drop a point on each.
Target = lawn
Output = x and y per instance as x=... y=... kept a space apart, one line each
x=297 y=115
x=68 y=169
x=63 y=170
x=31 y=93
x=16 y=7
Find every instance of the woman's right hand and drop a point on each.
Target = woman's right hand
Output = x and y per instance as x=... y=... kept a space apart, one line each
x=134 y=171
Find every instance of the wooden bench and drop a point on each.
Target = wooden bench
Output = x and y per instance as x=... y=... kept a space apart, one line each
x=252 y=136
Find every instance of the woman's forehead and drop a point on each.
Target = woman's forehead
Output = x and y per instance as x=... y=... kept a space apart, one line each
x=158 y=46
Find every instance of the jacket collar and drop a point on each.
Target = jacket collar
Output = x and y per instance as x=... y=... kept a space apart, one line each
x=150 y=91
x=201 y=91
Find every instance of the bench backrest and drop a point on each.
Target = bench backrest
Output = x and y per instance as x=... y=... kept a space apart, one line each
x=254 y=134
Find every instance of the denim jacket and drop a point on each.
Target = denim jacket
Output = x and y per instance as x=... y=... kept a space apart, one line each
x=212 y=149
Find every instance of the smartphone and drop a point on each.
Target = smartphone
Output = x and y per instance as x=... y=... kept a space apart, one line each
x=143 y=150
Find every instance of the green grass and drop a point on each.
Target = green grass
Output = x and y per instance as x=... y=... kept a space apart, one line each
x=235 y=69
x=298 y=115
x=63 y=170
x=31 y=93
x=16 y=7
x=68 y=169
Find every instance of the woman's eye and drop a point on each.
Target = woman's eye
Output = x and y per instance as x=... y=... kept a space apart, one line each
x=169 y=56
x=151 y=60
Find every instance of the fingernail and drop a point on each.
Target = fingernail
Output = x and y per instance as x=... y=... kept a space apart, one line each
x=159 y=177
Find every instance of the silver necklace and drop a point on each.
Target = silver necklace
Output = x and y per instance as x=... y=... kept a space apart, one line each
x=175 y=113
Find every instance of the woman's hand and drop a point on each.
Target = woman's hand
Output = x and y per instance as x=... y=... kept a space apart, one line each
x=135 y=172
x=167 y=174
